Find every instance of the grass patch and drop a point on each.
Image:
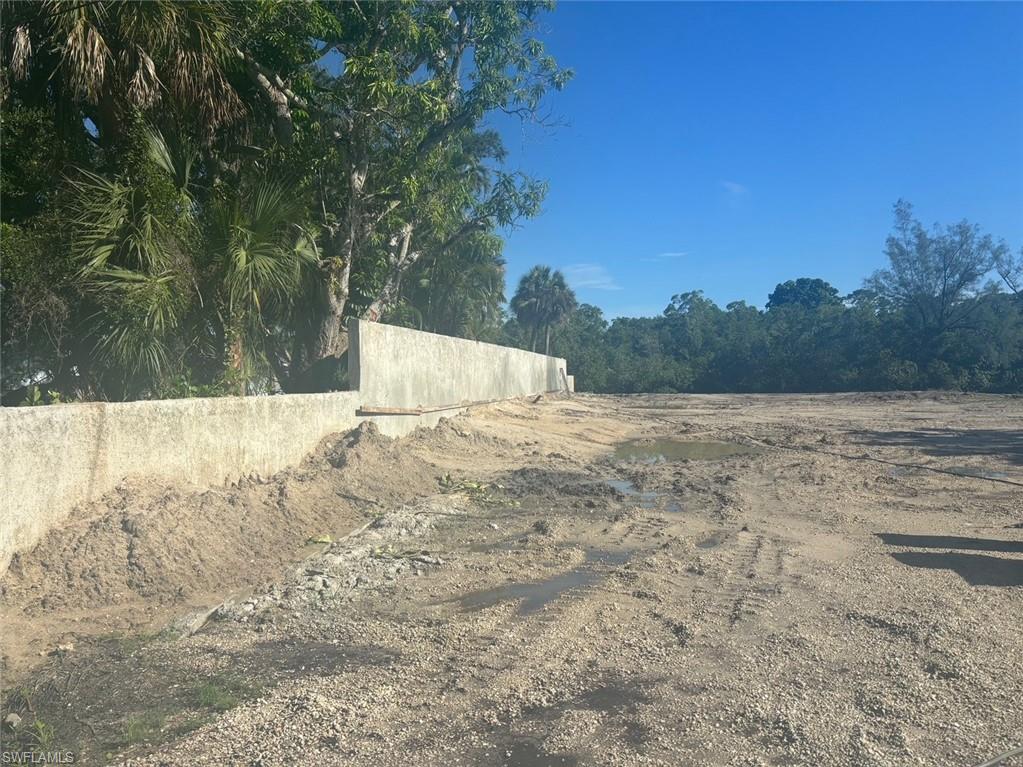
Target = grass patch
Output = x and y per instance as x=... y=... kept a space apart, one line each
x=222 y=693
x=215 y=697
x=143 y=728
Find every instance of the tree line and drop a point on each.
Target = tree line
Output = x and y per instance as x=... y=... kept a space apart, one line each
x=947 y=313
x=198 y=196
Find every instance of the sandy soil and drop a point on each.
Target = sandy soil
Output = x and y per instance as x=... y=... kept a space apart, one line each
x=844 y=589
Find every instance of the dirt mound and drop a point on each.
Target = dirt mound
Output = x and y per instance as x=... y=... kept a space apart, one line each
x=550 y=483
x=168 y=545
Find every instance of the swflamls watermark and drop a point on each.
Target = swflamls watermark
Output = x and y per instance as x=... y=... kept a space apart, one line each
x=37 y=757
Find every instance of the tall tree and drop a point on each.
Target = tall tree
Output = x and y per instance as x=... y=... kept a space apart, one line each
x=415 y=82
x=541 y=301
x=809 y=293
x=933 y=274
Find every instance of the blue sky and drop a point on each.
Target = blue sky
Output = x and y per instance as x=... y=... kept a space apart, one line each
x=729 y=146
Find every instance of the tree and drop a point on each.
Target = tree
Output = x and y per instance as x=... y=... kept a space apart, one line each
x=932 y=275
x=457 y=290
x=583 y=340
x=368 y=114
x=805 y=292
x=153 y=260
x=391 y=127
x=1010 y=270
x=105 y=60
x=542 y=300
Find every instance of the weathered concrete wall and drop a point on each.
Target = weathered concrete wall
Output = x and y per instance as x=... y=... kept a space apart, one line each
x=399 y=367
x=59 y=456
x=55 y=458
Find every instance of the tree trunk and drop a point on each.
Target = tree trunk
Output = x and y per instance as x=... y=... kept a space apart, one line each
x=237 y=361
x=330 y=337
x=547 y=340
x=391 y=290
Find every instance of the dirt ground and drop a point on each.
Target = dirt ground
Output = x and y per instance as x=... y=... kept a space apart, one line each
x=643 y=580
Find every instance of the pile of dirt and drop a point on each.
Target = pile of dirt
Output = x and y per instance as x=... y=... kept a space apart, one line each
x=167 y=545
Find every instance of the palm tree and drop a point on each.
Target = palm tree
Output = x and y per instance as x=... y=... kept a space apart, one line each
x=542 y=300
x=132 y=251
x=260 y=255
x=150 y=255
x=112 y=57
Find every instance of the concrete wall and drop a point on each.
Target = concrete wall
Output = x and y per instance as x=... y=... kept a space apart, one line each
x=405 y=368
x=55 y=458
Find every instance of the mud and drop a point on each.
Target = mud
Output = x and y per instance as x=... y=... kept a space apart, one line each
x=510 y=589
x=661 y=450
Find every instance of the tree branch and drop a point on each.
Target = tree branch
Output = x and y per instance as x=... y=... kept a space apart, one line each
x=280 y=96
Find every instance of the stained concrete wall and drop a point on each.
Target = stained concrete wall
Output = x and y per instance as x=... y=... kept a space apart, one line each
x=406 y=368
x=55 y=458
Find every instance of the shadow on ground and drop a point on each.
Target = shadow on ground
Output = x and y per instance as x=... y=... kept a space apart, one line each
x=996 y=443
x=951 y=542
x=975 y=569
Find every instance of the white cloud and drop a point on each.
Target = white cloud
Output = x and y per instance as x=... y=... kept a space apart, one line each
x=734 y=188
x=592 y=276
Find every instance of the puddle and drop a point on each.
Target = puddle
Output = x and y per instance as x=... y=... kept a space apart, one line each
x=664 y=450
x=647 y=498
x=538 y=594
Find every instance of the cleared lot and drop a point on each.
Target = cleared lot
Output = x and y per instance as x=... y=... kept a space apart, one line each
x=719 y=580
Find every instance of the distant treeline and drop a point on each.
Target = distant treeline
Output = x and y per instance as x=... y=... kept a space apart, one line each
x=946 y=314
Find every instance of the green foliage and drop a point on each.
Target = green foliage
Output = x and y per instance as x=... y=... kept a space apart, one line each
x=38 y=396
x=927 y=322
x=40 y=735
x=787 y=349
x=222 y=692
x=216 y=698
x=143 y=728
x=805 y=292
x=196 y=197
x=541 y=302
x=456 y=291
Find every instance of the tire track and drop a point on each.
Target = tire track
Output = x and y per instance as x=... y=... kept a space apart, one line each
x=734 y=599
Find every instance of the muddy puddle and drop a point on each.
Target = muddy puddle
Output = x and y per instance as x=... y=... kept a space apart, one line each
x=536 y=595
x=525 y=745
x=666 y=450
x=646 y=499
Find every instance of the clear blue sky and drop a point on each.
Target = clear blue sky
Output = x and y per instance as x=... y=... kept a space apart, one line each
x=728 y=147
